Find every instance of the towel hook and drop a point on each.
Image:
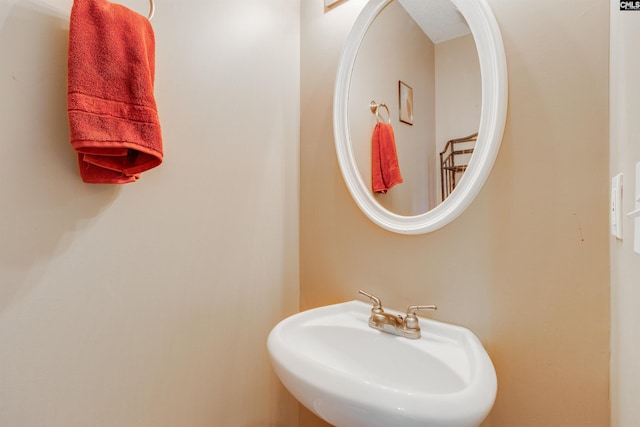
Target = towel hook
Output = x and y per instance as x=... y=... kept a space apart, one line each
x=375 y=109
x=152 y=10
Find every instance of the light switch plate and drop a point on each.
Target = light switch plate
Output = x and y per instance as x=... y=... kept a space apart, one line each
x=616 y=206
x=636 y=225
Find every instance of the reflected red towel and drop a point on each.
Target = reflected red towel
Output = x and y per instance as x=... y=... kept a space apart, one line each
x=113 y=117
x=385 y=171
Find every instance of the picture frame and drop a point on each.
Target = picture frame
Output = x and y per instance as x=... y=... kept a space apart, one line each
x=405 y=99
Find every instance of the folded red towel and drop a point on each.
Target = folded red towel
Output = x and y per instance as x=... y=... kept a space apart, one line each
x=113 y=117
x=385 y=171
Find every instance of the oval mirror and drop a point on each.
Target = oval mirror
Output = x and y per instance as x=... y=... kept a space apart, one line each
x=434 y=73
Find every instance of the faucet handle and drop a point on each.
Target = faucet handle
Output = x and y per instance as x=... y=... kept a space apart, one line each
x=411 y=320
x=377 y=304
x=412 y=309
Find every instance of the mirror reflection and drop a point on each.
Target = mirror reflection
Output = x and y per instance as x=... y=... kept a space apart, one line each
x=419 y=59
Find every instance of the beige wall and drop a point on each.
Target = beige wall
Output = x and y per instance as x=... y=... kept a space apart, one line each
x=526 y=266
x=149 y=304
x=625 y=263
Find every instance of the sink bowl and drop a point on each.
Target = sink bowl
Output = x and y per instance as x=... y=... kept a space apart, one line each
x=352 y=375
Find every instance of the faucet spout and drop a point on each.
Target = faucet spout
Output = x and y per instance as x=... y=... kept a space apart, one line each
x=378 y=320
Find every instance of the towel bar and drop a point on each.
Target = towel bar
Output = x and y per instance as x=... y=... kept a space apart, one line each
x=152 y=9
x=375 y=107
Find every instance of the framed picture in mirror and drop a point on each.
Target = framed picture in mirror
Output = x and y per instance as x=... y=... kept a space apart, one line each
x=405 y=95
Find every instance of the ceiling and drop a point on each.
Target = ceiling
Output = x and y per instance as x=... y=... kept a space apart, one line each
x=439 y=19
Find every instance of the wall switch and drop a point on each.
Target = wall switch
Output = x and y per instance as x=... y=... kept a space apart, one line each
x=616 y=206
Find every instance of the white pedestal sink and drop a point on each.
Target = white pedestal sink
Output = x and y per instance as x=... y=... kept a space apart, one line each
x=351 y=375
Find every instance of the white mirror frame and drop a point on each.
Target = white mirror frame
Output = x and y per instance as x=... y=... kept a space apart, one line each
x=493 y=69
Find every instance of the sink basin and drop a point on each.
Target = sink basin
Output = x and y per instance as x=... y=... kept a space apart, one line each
x=352 y=375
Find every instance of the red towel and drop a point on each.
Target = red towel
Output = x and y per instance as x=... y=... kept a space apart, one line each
x=113 y=117
x=385 y=171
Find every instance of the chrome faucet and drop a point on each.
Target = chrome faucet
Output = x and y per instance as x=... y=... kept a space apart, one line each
x=407 y=326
